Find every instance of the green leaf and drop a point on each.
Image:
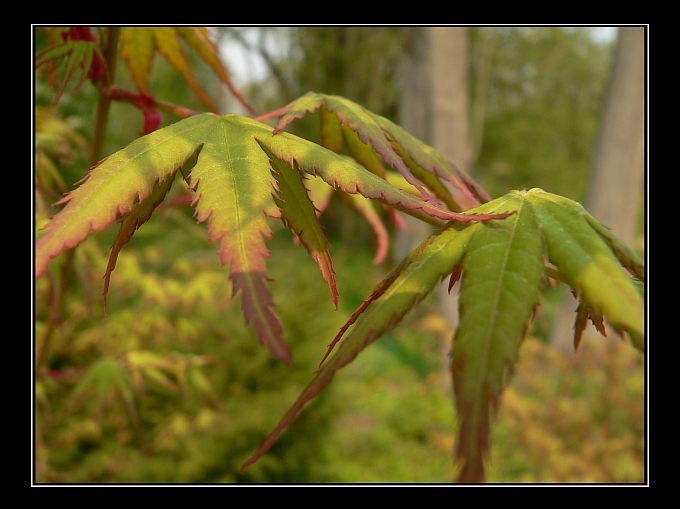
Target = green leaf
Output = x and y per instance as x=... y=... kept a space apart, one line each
x=362 y=152
x=333 y=168
x=137 y=49
x=104 y=377
x=503 y=270
x=167 y=42
x=371 y=140
x=133 y=221
x=502 y=265
x=588 y=263
x=628 y=258
x=113 y=188
x=198 y=38
x=330 y=131
x=319 y=192
x=299 y=214
x=390 y=143
x=228 y=163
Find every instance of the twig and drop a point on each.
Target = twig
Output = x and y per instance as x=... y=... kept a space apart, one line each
x=275 y=113
x=104 y=101
x=119 y=94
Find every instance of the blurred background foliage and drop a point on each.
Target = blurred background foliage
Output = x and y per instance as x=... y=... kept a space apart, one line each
x=169 y=385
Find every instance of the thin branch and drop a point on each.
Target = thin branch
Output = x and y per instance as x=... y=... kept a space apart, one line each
x=275 y=113
x=119 y=94
x=104 y=102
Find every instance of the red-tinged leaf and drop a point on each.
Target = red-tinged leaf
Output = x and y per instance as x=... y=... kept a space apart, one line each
x=390 y=142
x=80 y=33
x=139 y=215
x=334 y=172
x=223 y=161
x=598 y=321
x=476 y=190
x=397 y=220
x=233 y=182
x=504 y=264
x=77 y=58
x=360 y=151
x=181 y=200
x=358 y=120
x=432 y=161
x=111 y=189
x=138 y=46
x=455 y=276
x=439 y=188
x=330 y=131
x=257 y=306
x=580 y=323
x=586 y=260
x=407 y=285
x=168 y=45
x=299 y=215
x=334 y=136
x=198 y=38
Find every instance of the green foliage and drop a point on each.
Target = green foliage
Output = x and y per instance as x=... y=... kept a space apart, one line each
x=242 y=172
x=389 y=152
x=203 y=392
x=226 y=163
x=572 y=419
x=563 y=419
x=371 y=139
x=502 y=273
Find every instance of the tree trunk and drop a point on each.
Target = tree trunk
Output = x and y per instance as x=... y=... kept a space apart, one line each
x=616 y=184
x=618 y=168
x=449 y=117
x=414 y=117
x=434 y=107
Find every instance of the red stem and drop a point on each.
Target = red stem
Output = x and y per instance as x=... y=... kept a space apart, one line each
x=276 y=113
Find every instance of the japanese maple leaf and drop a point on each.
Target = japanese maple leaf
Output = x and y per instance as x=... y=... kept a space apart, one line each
x=240 y=174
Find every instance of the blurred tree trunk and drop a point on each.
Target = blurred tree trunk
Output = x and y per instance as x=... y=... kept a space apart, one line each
x=413 y=116
x=619 y=159
x=617 y=176
x=434 y=107
x=448 y=62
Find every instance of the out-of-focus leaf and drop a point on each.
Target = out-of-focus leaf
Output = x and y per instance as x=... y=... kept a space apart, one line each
x=138 y=46
x=75 y=57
